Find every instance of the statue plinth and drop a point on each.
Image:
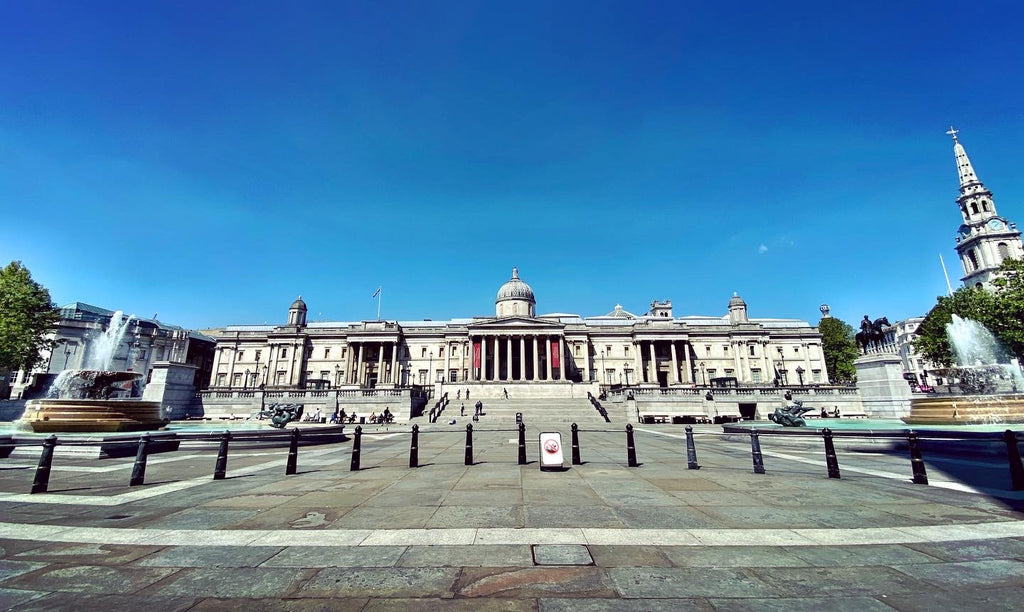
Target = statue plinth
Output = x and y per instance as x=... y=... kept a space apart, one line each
x=883 y=390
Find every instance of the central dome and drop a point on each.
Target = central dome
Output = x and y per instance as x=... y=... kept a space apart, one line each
x=515 y=297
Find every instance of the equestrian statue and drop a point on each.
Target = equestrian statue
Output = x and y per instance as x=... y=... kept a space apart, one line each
x=871 y=332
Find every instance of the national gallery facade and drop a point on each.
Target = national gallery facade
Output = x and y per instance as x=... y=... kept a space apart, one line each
x=517 y=349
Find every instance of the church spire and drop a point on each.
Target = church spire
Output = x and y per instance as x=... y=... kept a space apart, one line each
x=963 y=164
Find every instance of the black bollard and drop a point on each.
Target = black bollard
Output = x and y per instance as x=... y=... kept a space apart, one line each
x=916 y=462
x=755 y=452
x=139 y=469
x=221 y=468
x=691 y=450
x=469 y=444
x=830 y=454
x=630 y=448
x=414 y=448
x=293 y=453
x=42 y=479
x=576 y=445
x=522 y=444
x=357 y=444
x=1012 y=453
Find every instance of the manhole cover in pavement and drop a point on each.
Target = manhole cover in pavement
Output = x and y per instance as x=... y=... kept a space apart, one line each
x=561 y=554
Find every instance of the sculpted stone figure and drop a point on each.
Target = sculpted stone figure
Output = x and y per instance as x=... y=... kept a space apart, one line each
x=871 y=332
x=790 y=416
x=282 y=414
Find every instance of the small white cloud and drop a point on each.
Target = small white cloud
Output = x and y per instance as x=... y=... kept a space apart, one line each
x=762 y=249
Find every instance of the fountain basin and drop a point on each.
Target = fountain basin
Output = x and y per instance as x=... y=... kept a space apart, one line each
x=966 y=409
x=89 y=415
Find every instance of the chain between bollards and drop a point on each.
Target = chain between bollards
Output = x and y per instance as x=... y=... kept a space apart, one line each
x=830 y=454
x=691 y=450
x=139 y=469
x=576 y=445
x=1013 y=455
x=293 y=453
x=630 y=448
x=916 y=462
x=469 y=444
x=414 y=447
x=755 y=452
x=357 y=444
x=221 y=468
x=522 y=444
x=42 y=479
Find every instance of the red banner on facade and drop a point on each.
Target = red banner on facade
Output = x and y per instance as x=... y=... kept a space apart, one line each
x=476 y=354
x=554 y=353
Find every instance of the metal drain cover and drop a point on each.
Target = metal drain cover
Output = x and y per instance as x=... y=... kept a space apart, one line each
x=561 y=554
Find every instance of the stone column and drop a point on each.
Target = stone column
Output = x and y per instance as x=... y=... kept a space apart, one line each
x=447 y=360
x=686 y=359
x=483 y=358
x=359 y=365
x=497 y=360
x=537 y=361
x=586 y=360
x=348 y=362
x=231 y=365
x=380 y=364
x=508 y=359
x=547 y=349
x=807 y=363
x=394 y=364
x=675 y=364
x=561 y=358
x=736 y=357
x=522 y=358
x=654 y=364
x=769 y=372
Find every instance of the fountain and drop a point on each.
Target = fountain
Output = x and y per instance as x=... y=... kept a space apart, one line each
x=95 y=399
x=991 y=384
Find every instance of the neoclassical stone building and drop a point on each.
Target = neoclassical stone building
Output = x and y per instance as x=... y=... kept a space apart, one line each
x=517 y=349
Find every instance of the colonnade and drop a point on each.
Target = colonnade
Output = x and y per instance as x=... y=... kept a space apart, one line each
x=518 y=357
x=358 y=369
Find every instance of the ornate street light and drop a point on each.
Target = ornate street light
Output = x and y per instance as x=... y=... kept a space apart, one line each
x=245 y=383
x=800 y=374
x=626 y=372
x=703 y=375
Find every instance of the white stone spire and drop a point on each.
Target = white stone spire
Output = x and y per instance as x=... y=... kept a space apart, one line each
x=963 y=165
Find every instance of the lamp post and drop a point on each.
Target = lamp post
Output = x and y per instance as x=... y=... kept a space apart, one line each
x=703 y=375
x=337 y=375
x=800 y=374
x=245 y=383
x=625 y=371
x=265 y=376
x=602 y=375
x=782 y=371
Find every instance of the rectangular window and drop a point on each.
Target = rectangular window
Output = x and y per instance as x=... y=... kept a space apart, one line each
x=707 y=349
x=423 y=377
x=423 y=351
x=281 y=374
x=325 y=375
x=751 y=348
x=608 y=350
x=729 y=372
x=755 y=375
x=796 y=350
x=440 y=352
x=344 y=352
x=258 y=354
x=816 y=376
x=625 y=351
x=240 y=355
x=711 y=373
x=453 y=376
x=577 y=350
x=725 y=350
x=284 y=353
x=221 y=378
x=236 y=380
x=327 y=353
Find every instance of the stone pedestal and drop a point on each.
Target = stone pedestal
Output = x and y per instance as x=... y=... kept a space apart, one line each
x=883 y=391
x=172 y=385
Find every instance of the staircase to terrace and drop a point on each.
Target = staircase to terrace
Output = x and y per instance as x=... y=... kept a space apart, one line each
x=534 y=410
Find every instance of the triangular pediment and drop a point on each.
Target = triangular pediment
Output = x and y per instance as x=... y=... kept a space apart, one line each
x=519 y=323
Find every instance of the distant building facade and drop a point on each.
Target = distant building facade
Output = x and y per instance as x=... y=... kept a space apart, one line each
x=516 y=346
x=984 y=240
x=145 y=342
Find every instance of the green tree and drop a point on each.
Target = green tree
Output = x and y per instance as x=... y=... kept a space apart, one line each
x=1000 y=310
x=26 y=315
x=840 y=349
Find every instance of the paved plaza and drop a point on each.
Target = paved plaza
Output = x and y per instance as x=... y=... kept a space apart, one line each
x=496 y=535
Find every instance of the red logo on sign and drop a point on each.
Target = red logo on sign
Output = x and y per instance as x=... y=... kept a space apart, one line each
x=551 y=446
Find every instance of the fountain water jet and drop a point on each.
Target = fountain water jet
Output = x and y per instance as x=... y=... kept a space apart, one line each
x=990 y=382
x=96 y=398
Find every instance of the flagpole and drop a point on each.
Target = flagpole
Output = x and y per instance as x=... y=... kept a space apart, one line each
x=379 y=296
x=949 y=287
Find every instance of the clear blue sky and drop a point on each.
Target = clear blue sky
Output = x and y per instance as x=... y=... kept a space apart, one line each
x=212 y=160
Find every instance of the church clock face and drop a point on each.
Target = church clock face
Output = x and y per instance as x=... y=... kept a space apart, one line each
x=965 y=231
x=995 y=224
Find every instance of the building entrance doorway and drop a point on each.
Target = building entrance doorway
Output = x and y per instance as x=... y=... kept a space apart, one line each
x=748 y=411
x=662 y=379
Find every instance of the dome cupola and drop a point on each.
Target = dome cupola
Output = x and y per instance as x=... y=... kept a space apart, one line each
x=297 y=312
x=737 y=309
x=515 y=298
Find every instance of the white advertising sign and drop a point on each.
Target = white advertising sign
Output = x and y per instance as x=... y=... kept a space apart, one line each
x=550 y=450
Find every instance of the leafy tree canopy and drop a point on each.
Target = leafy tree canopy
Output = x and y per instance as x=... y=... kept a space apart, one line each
x=1000 y=310
x=26 y=315
x=840 y=349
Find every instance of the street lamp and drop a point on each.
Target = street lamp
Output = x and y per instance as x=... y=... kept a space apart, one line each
x=264 y=376
x=337 y=375
x=703 y=376
x=800 y=374
x=245 y=384
x=603 y=375
x=626 y=372
x=782 y=370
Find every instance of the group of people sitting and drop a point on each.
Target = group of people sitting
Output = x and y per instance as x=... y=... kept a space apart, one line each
x=340 y=416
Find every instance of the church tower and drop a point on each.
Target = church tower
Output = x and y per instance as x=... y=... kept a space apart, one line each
x=985 y=239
